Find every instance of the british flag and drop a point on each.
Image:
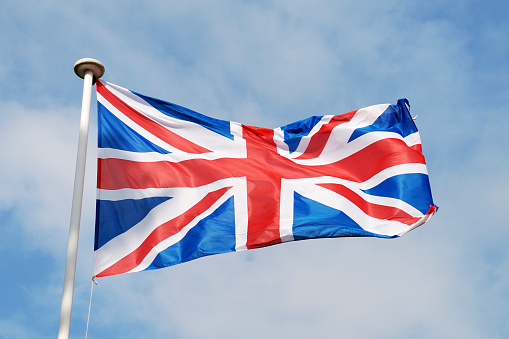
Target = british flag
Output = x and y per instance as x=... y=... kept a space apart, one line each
x=175 y=185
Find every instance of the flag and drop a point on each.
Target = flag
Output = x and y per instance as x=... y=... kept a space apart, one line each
x=175 y=185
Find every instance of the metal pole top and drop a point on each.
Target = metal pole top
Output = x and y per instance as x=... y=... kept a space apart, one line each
x=82 y=65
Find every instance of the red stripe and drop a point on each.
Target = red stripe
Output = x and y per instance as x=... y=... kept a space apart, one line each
x=359 y=167
x=263 y=188
x=118 y=173
x=319 y=140
x=161 y=233
x=373 y=210
x=150 y=125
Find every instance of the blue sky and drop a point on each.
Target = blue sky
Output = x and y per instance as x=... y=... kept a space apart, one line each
x=265 y=63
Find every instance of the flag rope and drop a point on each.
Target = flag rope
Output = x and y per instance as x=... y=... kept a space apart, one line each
x=90 y=304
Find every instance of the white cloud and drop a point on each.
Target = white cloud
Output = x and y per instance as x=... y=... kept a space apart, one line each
x=39 y=154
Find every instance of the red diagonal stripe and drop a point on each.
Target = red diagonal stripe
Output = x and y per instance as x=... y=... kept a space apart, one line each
x=319 y=140
x=148 y=124
x=373 y=210
x=161 y=233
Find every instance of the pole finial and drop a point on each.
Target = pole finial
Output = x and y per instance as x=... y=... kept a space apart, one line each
x=82 y=65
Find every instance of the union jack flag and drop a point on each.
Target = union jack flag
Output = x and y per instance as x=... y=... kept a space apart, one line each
x=175 y=185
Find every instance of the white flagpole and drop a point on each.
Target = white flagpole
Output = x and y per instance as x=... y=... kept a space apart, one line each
x=89 y=70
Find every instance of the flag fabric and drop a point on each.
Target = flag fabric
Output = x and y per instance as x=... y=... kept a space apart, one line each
x=175 y=185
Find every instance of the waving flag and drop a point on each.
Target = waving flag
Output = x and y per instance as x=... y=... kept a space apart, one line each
x=175 y=185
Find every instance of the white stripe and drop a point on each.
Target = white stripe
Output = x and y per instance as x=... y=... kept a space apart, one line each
x=412 y=139
x=393 y=171
x=241 y=214
x=112 y=153
x=142 y=193
x=286 y=210
x=237 y=131
x=137 y=193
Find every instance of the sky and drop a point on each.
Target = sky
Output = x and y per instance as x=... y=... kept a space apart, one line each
x=264 y=63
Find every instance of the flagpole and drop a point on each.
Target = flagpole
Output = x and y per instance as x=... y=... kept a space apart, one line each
x=89 y=70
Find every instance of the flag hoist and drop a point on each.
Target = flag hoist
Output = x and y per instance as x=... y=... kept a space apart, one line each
x=89 y=70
